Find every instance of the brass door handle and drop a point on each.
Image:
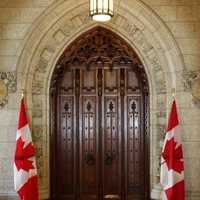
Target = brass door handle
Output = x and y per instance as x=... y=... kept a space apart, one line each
x=109 y=158
x=89 y=158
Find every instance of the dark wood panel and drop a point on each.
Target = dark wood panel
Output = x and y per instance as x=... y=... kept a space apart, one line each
x=135 y=147
x=88 y=148
x=65 y=159
x=111 y=147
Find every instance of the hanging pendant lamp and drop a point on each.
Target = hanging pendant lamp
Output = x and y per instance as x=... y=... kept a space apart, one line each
x=101 y=10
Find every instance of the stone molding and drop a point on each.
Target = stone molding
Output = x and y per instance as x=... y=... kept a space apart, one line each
x=62 y=23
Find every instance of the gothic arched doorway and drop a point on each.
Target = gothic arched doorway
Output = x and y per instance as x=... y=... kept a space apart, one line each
x=99 y=121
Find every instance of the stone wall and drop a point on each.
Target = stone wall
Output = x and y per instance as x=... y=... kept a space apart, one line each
x=164 y=33
x=183 y=20
x=16 y=19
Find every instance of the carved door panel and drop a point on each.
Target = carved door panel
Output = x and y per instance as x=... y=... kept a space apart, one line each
x=135 y=137
x=65 y=153
x=99 y=143
x=88 y=133
x=111 y=135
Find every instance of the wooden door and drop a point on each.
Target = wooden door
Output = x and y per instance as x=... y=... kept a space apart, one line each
x=99 y=147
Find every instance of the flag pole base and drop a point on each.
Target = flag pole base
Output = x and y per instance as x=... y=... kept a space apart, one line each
x=156 y=193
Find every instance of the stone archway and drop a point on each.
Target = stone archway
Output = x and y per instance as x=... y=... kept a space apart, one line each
x=60 y=25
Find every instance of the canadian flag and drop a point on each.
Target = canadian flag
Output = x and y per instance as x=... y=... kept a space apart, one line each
x=172 y=166
x=25 y=172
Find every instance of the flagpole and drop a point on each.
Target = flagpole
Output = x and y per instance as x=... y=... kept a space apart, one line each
x=172 y=165
x=173 y=93
x=22 y=95
x=25 y=173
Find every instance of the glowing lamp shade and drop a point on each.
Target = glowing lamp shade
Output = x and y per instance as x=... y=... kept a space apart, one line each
x=101 y=10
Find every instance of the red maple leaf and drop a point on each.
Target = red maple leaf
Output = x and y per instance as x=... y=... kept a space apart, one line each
x=22 y=154
x=173 y=156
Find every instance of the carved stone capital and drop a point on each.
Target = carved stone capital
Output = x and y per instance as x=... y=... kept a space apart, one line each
x=8 y=85
x=191 y=81
x=188 y=78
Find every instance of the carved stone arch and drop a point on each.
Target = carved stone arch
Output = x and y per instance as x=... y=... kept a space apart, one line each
x=64 y=21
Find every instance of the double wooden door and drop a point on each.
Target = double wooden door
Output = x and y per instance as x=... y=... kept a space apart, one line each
x=99 y=147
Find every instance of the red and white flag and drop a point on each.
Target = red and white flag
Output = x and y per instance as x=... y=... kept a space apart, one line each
x=172 y=166
x=25 y=172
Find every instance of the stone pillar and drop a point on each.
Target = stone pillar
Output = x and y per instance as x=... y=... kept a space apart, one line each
x=156 y=193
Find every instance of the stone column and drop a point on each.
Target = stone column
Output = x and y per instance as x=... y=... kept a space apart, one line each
x=156 y=192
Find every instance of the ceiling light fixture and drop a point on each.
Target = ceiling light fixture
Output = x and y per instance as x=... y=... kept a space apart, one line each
x=101 y=10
